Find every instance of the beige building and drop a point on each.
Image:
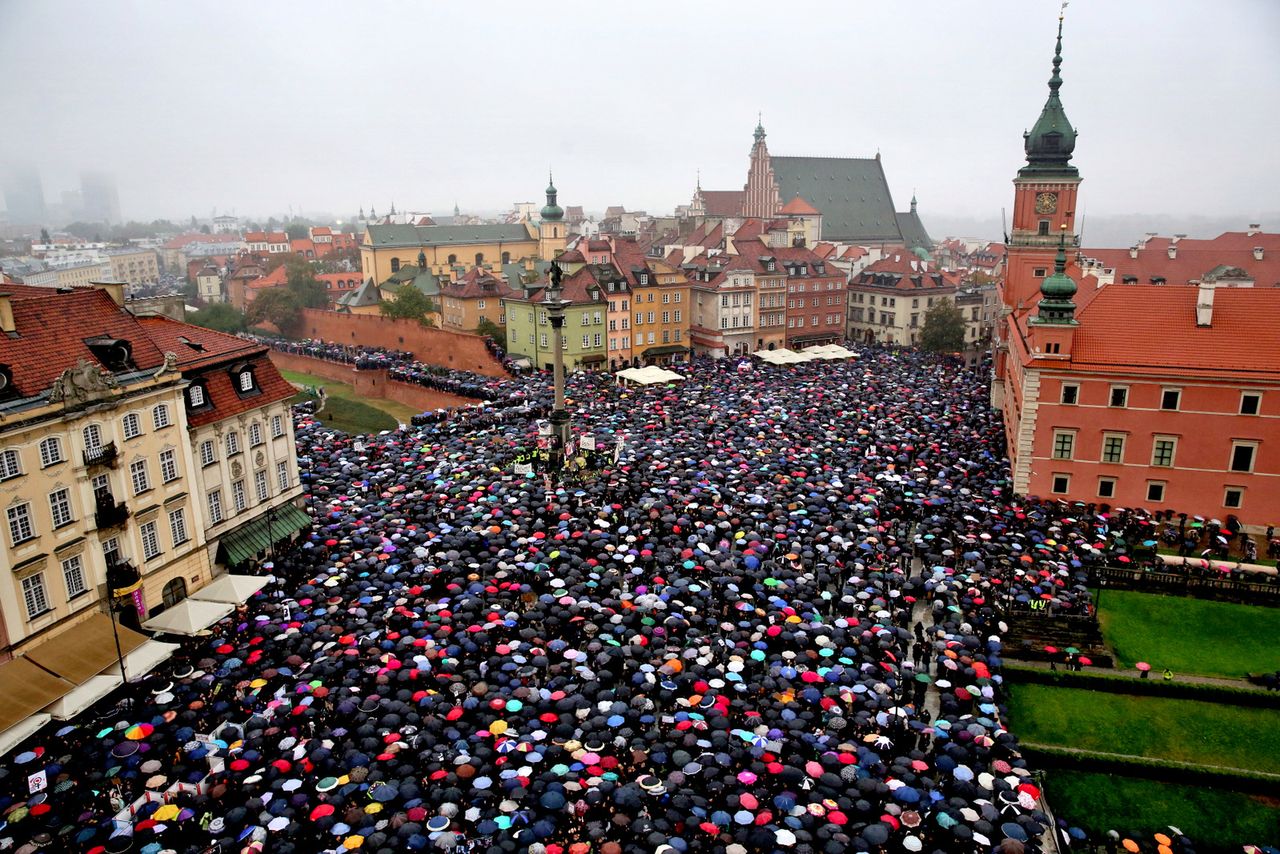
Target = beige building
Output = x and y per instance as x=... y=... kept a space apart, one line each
x=82 y=274
x=96 y=474
x=134 y=265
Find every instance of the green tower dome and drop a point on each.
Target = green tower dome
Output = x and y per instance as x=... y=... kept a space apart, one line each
x=1057 y=290
x=1052 y=140
x=552 y=211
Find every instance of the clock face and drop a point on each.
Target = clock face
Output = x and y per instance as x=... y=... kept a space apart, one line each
x=1046 y=203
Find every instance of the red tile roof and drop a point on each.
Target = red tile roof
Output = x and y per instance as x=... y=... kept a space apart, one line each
x=723 y=202
x=1149 y=326
x=227 y=403
x=1194 y=258
x=799 y=207
x=479 y=283
x=216 y=346
x=51 y=329
x=199 y=237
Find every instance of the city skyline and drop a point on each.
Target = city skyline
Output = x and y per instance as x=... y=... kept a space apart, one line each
x=263 y=138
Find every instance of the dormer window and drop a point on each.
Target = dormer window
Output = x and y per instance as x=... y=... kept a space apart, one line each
x=197 y=396
x=644 y=278
x=243 y=379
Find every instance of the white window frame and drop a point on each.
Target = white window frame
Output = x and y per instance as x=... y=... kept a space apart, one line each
x=73 y=568
x=60 y=508
x=244 y=381
x=1178 y=404
x=277 y=426
x=196 y=396
x=233 y=443
x=22 y=526
x=150 y=538
x=51 y=452
x=1253 y=458
x=139 y=477
x=214 y=502
x=160 y=417
x=1257 y=395
x=168 y=465
x=1108 y=480
x=260 y=485
x=1111 y=396
x=1062 y=394
x=178 y=526
x=131 y=425
x=35 y=593
x=1053 y=482
x=1173 y=453
x=282 y=475
x=1102 y=452
x=1164 y=489
x=1226 y=492
x=255 y=434
x=10 y=464
x=208 y=452
x=239 y=501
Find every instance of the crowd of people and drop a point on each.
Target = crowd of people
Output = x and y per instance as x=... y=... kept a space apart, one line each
x=773 y=622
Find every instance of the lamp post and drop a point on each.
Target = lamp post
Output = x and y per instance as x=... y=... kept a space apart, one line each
x=555 y=303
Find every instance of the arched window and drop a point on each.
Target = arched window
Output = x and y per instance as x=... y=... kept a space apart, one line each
x=174 y=592
x=555 y=231
x=50 y=451
x=92 y=437
x=479 y=258
x=506 y=257
x=453 y=259
x=395 y=265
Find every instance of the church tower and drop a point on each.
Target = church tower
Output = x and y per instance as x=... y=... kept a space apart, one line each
x=1044 y=202
x=761 y=197
x=551 y=229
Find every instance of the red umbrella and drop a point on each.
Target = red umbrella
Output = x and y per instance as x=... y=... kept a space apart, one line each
x=1051 y=650
x=1085 y=660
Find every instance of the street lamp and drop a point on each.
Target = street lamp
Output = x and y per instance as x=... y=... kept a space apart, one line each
x=553 y=298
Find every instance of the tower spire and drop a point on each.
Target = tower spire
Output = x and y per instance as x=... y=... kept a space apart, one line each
x=760 y=127
x=1051 y=141
x=1056 y=291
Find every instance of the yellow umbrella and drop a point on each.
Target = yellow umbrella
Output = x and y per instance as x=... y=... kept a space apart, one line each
x=351 y=843
x=168 y=812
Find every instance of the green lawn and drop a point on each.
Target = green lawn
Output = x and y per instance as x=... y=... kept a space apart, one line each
x=1215 y=820
x=349 y=413
x=1182 y=730
x=1190 y=635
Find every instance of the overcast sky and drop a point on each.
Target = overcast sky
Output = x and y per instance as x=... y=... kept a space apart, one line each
x=326 y=106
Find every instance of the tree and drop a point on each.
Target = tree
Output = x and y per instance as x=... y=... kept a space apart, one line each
x=204 y=229
x=409 y=304
x=219 y=316
x=44 y=236
x=493 y=330
x=300 y=278
x=943 y=328
x=279 y=307
x=297 y=231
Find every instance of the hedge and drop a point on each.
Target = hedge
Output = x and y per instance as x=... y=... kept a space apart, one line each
x=1155 y=686
x=1164 y=770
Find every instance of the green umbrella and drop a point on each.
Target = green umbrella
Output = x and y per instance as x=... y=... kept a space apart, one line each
x=923 y=677
x=1072 y=650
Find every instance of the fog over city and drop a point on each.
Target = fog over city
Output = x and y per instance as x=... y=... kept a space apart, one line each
x=261 y=108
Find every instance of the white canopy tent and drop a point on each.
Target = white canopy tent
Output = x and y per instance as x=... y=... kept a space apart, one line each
x=235 y=589
x=84 y=696
x=831 y=351
x=648 y=375
x=148 y=657
x=16 y=734
x=189 y=617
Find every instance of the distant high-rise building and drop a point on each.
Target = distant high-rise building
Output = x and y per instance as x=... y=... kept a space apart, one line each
x=24 y=195
x=99 y=197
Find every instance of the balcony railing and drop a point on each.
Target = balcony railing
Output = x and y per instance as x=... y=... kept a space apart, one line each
x=121 y=575
x=110 y=513
x=103 y=455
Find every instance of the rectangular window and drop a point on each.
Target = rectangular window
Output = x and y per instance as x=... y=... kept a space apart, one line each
x=1242 y=456
x=666 y=317
x=101 y=488
x=1106 y=487
x=132 y=426
x=178 y=526
x=542 y=340
x=1119 y=396
x=138 y=475
x=1070 y=394
x=168 y=466
x=1162 y=451
x=255 y=434
x=1250 y=403
x=1233 y=498
x=677 y=335
x=208 y=456
x=596 y=340
x=233 y=443
x=666 y=298
x=677 y=296
x=260 y=485
x=1170 y=398
x=60 y=507
x=34 y=595
x=650 y=337
x=1061 y=483
x=237 y=496
x=9 y=465
x=277 y=426
x=677 y=316
x=20 y=526
x=215 y=506
x=150 y=540
x=586 y=341
x=160 y=416
x=73 y=576
x=1112 y=448
x=1155 y=490
x=282 y=475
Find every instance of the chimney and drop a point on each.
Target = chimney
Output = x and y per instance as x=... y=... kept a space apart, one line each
x=1204 y=304
x=1257 y=253
x=1177 y=237
x=1133 y=251
x=1173 y=251
x=1254 y=228
x=115 y=290
x=7 y=323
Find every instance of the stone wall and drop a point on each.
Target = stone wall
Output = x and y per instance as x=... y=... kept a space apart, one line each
x=370 y=384
x=442 y=347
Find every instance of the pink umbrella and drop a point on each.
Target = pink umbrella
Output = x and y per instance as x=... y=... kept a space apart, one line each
x=1142 y=665
x=746 y=777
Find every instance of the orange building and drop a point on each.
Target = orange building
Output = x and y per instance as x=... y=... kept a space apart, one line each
x=476 y=296
x=1130 y=394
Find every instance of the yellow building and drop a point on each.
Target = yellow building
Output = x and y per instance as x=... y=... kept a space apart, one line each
x=134 y=265
x=387 y=248
x=476 y=296
x=96 y=473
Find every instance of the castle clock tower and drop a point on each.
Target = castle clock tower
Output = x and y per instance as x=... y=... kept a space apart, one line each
x=1044 y=202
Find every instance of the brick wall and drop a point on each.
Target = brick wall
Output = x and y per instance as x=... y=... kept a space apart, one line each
x=370 y=384
x=443 y=347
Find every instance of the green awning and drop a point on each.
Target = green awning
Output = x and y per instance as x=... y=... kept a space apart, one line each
x=666 y=350
x=254 y=537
